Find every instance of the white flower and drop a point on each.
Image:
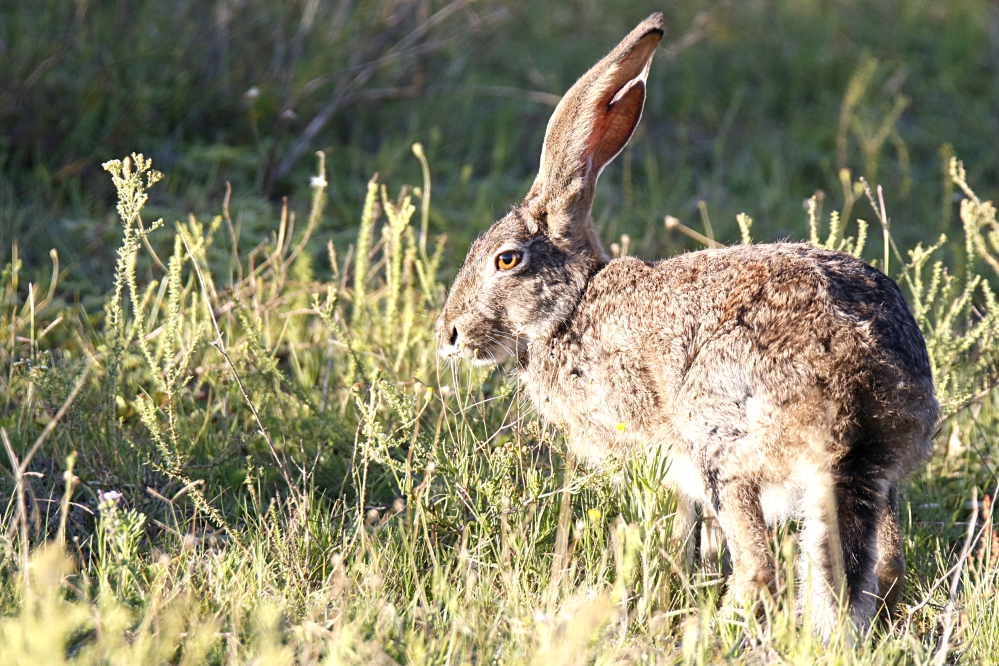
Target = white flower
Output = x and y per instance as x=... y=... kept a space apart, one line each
x=111 y=496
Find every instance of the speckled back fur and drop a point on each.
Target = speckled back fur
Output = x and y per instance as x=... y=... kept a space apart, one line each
x=784 y=380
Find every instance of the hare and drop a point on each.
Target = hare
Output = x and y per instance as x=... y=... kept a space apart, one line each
x=786 y=381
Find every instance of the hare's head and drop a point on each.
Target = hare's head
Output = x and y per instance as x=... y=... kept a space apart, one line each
x=523 y=278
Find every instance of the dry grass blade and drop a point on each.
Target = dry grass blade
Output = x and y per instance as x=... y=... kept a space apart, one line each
x=940 y=658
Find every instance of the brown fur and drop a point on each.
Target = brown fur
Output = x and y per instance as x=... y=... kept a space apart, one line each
x=784 y=379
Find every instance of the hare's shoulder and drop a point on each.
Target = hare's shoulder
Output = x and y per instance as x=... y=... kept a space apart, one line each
x=792 y=281
x=790 y=295
x=713 y=274
x=778 y=270
x=782 y=260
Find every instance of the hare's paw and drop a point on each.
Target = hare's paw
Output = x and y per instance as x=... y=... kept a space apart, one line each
x=749 y=592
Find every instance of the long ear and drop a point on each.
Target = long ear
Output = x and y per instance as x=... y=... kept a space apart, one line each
x=592 y=124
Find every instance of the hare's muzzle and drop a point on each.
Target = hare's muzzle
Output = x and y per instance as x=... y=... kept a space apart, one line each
x=448 y=337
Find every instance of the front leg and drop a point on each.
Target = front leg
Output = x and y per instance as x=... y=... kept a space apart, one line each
x=684 y=522
x=712 y=538
x=713 y=555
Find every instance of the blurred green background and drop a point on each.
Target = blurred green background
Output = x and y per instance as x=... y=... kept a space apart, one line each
x=748 y=110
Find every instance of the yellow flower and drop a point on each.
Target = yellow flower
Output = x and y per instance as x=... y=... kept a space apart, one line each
x=621 y=426
x=594 y=515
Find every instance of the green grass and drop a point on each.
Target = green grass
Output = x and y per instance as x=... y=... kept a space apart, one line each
x=301 y=482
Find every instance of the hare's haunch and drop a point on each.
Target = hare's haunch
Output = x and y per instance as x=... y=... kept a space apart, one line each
x=784 y=380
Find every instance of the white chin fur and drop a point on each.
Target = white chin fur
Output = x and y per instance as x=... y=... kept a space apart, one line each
x=448 y=351
x=479 y=360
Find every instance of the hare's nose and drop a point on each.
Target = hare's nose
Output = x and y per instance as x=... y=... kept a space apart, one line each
x=446 y=332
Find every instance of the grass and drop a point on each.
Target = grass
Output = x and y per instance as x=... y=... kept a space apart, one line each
x=227 y=438
x=242 y=463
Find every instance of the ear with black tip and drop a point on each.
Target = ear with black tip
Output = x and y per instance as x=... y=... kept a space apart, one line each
x=590 y=126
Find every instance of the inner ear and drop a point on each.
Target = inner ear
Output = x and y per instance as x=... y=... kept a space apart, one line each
x=622 y=101
x=618 y=123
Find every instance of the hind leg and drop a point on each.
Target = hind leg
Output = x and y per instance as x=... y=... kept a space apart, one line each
x=860 y=503
x=890 y=566
x=839 y=540
x=741 y=518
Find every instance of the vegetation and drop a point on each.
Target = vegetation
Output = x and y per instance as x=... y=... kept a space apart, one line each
x=238 y=445
x=747 y=111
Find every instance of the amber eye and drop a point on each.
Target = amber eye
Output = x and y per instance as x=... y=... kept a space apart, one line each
x=507 y=260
